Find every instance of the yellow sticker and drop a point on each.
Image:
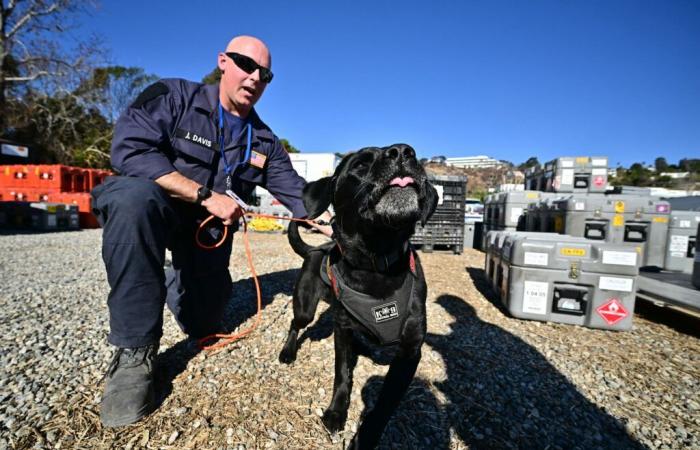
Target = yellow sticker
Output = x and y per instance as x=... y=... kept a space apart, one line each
x=51 y=208
x=660 y=219
x=582 y=160
x=619 y=206
x=568 y=251
x=533 y=195
x=618 y=220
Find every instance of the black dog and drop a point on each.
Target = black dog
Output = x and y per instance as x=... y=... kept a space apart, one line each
x=370 y=274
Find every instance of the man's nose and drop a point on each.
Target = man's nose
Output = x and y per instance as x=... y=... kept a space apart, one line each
x=399 y=152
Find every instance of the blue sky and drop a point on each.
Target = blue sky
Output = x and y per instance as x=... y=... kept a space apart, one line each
x=509 y=79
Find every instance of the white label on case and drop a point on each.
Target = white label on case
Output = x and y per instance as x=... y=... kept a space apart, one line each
x=535 y=297
x=620 y=258
x=439 y=190
x=599 y=162
x=567 y=176
x=536 y=259
x=515 y=214
x=678 y=243
x=616 y=284
x=579 y=206
x=566 y=163
x=599 y=171
x=684 y=224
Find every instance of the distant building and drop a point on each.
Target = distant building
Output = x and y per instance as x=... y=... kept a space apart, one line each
x=480 y=161
x=675 y=175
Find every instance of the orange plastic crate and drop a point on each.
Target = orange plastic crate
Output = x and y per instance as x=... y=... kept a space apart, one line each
x=22 y=194
x=15 y=175
x=53 y=177
x=96 y=177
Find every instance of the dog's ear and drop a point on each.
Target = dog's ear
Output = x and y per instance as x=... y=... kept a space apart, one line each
x=317 y=196
x=430 y=202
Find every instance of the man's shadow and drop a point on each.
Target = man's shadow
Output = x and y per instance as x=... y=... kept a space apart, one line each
x=500 y=392
x=242 y=306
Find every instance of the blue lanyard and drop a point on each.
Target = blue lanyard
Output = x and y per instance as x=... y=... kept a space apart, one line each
x=229 y=169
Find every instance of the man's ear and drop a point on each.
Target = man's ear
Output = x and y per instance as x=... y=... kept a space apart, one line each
x=430 y=202
x=317 y=196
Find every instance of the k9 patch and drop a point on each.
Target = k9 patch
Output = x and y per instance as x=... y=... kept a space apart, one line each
x=385 y=312
x=257 y=160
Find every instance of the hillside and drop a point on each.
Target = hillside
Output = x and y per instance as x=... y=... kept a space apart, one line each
x=478 y=180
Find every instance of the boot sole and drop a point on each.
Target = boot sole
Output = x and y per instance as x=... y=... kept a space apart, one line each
x=112 y=422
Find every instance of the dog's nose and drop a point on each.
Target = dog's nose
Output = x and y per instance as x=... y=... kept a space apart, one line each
x=404 y=152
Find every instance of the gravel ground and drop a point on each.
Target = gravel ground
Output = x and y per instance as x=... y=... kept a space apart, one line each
x=485 y=380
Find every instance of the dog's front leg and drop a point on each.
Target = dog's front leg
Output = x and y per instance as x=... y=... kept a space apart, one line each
x=334 y=417
x=401 y=372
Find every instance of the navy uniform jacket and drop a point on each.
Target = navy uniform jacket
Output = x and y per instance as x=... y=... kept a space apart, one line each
x=173 y=126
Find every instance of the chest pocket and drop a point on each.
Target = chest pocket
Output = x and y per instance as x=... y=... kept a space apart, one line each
x=193 y=152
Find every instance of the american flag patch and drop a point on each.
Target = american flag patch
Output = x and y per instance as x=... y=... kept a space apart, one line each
x=258 y=160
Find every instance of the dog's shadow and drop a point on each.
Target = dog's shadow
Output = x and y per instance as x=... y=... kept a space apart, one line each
x=241 y=306
x=497 y=394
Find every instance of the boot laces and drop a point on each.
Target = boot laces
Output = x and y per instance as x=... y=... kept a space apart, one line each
x=129 y=357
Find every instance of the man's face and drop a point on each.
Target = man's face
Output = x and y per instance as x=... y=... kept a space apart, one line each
x=240 y=91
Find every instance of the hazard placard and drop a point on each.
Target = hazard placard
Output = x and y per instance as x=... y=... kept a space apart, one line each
x=612 y=311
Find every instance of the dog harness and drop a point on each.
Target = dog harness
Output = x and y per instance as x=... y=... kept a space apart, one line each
x=383 y=317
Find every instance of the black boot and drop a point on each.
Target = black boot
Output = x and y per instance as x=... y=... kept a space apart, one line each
x=129 y=392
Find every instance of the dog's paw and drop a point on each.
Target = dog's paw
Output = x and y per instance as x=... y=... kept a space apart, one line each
x=287 y=356
x=334 y=421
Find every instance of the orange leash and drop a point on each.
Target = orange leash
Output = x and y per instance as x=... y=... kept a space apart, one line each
x=225 y=339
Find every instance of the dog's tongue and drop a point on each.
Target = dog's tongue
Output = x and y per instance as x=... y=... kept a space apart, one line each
x=403 y=182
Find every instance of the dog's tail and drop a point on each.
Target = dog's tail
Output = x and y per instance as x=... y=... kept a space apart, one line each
x=300 y=247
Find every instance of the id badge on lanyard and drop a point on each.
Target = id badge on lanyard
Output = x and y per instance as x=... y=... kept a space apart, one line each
x=229 y=169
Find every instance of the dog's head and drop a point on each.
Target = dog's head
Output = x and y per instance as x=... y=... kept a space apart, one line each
x=374 y=189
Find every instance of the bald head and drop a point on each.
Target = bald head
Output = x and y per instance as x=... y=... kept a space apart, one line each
x=238 y=89
x=249 y=46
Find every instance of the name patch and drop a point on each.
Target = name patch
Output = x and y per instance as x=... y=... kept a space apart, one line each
x=194 y=137
x=385 y=312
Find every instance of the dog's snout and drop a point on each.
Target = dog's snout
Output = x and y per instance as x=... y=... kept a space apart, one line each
x=399 y=152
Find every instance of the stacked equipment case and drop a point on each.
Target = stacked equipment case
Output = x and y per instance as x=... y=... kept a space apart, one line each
x=576 y=214
x=446 y=226
x=565 y=279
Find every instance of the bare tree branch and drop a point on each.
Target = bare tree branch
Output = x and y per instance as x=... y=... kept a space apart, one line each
x=31 y=14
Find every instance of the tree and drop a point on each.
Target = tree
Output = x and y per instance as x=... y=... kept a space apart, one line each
x=212 y=77
x=111 y=89
x=288 y=147
x=31 y=54
x=531 y=162
x=660 y=164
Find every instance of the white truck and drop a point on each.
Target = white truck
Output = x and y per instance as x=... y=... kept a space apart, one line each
x=311 y=167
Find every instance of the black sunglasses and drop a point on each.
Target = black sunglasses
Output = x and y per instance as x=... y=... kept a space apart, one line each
x=247 y=65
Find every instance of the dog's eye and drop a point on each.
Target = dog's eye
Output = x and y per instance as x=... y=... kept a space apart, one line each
x=360 y=166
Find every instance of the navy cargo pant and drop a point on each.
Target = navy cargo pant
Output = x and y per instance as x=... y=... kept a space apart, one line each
x=139 y=222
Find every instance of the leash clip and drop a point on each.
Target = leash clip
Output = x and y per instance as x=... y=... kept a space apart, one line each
x=238 y=200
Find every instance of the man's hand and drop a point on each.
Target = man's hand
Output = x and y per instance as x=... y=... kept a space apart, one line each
x=325 y=229
x=223 y=207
